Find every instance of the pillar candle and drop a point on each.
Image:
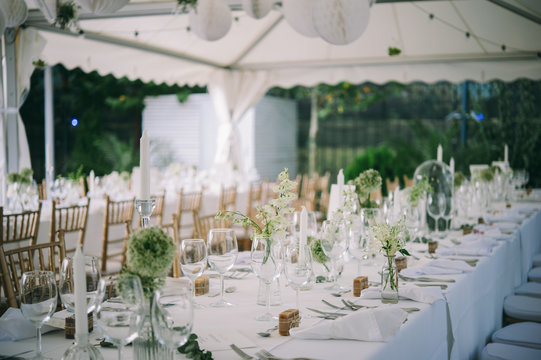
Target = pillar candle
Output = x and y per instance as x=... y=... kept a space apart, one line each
x=506 y=154
x=440 y=153
x=340 y=182
x=144 y=192
x=79 y=280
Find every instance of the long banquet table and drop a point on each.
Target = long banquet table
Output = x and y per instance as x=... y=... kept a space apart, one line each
x=456 y=327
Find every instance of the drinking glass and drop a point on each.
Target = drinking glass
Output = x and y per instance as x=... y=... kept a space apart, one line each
x=334 y=242
x=38 y=300
x=172 y=316
x=265 y=260
x=120 y=311
x=193 y=260
x=370 y=217
x=358 y=242
x=434 y=210
x=222 y=253
x=446 y=211
x=412 y=221
x=298 y=268
x=66 y=286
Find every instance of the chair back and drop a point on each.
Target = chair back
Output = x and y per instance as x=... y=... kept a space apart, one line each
x=188 y=204
x=116 y=213
x=42 y=190
x=69 y=219
x=19 y=228
x=203 y=224
x=392 y=185
x=172 y=230
x=16 y=261
x=407 y=181
x=254 y=199
x=228 y=198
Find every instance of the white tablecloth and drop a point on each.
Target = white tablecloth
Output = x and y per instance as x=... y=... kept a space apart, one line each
x=474 y=304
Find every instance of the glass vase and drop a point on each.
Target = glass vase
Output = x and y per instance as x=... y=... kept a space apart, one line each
x=389 y=281
x=147 y=346
x=275 y=293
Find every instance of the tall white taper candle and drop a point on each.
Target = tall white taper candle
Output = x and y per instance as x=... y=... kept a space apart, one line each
x=144 y=191
x=79 y=280
x=440 y=153
x=506 y=153
x=340 y=182
x=452 y=165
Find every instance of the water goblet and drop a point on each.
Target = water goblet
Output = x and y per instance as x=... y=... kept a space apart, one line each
x=334 y=242
x=298 y=269
x=38 y=300
x=66 y=286
x=265 y=260
x=120 y=311
x=222 y=251
x=172 y=316
x=193 y=260
x=434 y=210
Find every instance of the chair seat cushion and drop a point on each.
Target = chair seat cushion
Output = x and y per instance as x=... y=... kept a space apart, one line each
x=536 y=260
x=529 y=289
x=523 y=307
x=526 y=334
x=497 y=351
x=535 y=274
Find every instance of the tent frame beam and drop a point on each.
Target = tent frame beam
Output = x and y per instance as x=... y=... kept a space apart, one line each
x=10 y=101
x=516 y=10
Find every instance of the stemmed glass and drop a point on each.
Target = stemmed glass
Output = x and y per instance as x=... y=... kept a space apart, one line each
x=120 y=310
x=222 y=253
x=446 y=211
x=412 y=221
x=435 y=210
x=172 y=317
x=334 y=242
x=193 y=260
x=370 y=217
x=298 y=268
x=38 y=300
x=66 y=286
x=265 y=260
x=358 y=242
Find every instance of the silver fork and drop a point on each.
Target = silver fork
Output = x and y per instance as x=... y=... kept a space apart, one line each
x=265 y=355
x=241 y=353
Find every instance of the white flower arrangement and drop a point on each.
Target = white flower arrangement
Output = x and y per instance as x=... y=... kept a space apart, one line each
x=390 y=239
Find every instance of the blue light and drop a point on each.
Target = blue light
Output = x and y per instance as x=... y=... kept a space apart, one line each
x=74 y=122
x=480 y=117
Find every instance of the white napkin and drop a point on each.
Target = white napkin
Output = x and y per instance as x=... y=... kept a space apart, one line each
x=438 y=267
x=14 y=327
x=413 y=292
x=491 y=231
x=476 y=247
x=507 y=217
x=366 y=325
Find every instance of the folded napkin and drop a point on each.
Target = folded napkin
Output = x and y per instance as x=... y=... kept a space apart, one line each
x=438 y=267
x=507 y=226
x=491 y=231
x=366 y=325
x=14 y=327
x=480 y=246
x=507 y=217
x=413 y=292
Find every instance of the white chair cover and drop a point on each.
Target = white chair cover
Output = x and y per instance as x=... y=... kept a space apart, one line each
x=532 y=289
x=526 y=334
x=497 y=351
x=535 y=274
x=523 y=307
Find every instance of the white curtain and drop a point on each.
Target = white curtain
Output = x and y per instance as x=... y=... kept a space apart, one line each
x=233 y=93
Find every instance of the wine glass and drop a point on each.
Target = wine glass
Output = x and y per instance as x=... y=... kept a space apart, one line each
x=298 y=268
x=38 y=300
x=66 y=286
x=446 y=211
x=265 y=260
x=222 y=253
x=193 y=260
x=334 y=242
x=358 y=242
x=412 y=221
x=120 y=311
x=172 y=316
x=370 y=217
x=434 y=210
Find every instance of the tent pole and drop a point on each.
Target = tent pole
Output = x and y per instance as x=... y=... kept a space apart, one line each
x=49 y=126
x=10 y=101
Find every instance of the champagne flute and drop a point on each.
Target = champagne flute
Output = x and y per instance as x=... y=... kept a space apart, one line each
x=265 y=260
x=120 y=311
x=66 y=286
x=334 y=242
x=172 y=316
x=193 y=260
x=222 y=253
x=298 y=268
x=38 y=300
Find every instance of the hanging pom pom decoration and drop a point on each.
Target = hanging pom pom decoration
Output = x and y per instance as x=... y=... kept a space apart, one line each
x=257 y=9
x=298 y=14
x=15 y=12
x=211 y=20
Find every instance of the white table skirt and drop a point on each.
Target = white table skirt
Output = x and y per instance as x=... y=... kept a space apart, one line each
x=475 y=303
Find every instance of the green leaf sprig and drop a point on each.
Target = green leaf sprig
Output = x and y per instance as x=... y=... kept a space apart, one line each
x=22 y=177
x=192 y=350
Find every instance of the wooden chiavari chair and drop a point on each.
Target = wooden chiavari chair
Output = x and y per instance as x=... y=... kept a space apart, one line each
x=228 y=198
x=19 y=228
x=203 y=224
x=392 y=185
x=116 y=213
x=42 y=190
x=188 y=204
x=407 y=181
x=70 y=220
x=172 y=230
x=16 y=261
x=157 y=214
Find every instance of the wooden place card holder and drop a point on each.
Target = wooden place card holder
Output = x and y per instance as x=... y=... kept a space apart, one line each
x=287 y=320
x=401 y=263
x=359 y=284
x=432 y=246
x=201 y=285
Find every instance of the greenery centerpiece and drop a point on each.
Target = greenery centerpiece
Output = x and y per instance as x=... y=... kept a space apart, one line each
x=150 y=256
x=20 y=190
x=367 y=182
x=390 y=239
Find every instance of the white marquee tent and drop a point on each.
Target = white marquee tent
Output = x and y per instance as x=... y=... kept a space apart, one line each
x=449 y=40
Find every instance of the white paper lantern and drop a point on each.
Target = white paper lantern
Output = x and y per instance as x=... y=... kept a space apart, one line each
x=298 y=14
x=102 y=6
x=257 y=8
x=212 y=19
x=48 y=8
x=340 y=22
x=15 y=12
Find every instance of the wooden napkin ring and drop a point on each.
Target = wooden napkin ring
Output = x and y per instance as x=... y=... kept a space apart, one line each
x=287 y=320
x=69 y=325
x=432 y=246
x=359 y=284
x=201 y=285
x=401 y=263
